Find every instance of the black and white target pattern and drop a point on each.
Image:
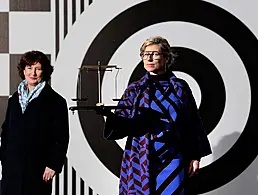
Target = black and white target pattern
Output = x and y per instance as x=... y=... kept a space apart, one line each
x=210 y=55
x=217 y=57
x=208 y=74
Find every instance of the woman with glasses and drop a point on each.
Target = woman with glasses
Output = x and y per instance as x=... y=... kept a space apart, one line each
x=166 y=139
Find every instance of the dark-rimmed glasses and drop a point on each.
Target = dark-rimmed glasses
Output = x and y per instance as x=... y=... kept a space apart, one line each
x=155 y=55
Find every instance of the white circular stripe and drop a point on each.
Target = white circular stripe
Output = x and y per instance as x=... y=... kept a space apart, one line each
x=217 y=50
x=193 y=85
x=70 y=57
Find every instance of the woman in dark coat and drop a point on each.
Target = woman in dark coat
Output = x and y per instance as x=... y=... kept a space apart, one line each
x=166 y=139
x=35 y=133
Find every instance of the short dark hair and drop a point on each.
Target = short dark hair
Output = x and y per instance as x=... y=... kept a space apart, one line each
x=32 y=57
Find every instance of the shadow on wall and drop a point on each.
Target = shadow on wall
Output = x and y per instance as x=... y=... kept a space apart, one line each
x=247 y=182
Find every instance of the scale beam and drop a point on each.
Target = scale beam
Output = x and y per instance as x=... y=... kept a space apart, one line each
x=97 y=67
x=73 y=108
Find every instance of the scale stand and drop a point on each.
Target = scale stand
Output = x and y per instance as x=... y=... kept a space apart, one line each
x=99 y=68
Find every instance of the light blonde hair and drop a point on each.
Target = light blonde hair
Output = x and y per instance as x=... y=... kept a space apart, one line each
x=164 y=46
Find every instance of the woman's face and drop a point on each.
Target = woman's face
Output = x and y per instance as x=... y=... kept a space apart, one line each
x=33 y=74
x=153 y=60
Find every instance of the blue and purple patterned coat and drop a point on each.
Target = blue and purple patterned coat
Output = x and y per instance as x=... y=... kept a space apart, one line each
x=155 y=157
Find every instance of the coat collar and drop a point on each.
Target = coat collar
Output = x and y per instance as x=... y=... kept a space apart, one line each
x=146 y=80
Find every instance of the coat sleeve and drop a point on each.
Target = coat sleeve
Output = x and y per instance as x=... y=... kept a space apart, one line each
x=118 y=125
x=124 y=123
x=196 y=142
x=4 y=132
x=60 y=136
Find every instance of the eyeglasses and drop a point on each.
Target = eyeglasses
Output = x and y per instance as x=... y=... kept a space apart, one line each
x=154 y=55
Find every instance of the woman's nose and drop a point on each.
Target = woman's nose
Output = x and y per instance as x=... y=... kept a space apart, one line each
x=34 y=71
x=150 y=57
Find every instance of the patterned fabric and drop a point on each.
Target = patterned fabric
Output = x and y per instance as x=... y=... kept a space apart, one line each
x=25 y=97
x=153 y=160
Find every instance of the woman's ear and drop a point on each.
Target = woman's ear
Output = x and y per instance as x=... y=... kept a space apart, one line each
x=167 y=60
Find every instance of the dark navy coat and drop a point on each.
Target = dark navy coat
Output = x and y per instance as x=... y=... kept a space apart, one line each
x=32 y=141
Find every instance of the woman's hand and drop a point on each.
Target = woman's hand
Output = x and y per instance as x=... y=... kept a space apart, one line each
x=103 y=110
x=194 y=166
x=48 y=174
